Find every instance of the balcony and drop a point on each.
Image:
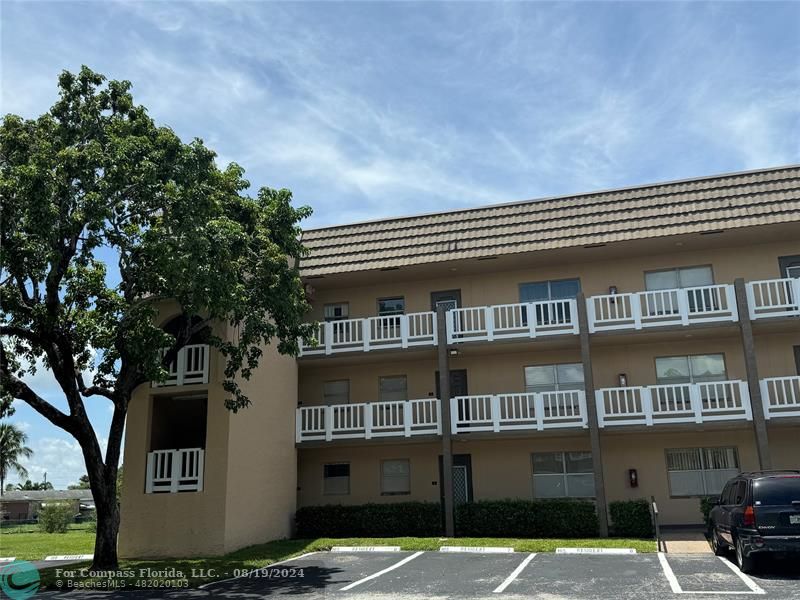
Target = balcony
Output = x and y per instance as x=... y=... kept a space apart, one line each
x=677 y=403
x=661 y=308
x=373 y=333
x=781 y=396
x=513 y=412
x=774 y=298
x=512 y=321
x=174 y=471
x=369 y=420
x=190 y=366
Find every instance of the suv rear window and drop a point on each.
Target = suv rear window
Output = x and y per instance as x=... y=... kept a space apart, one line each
x=772 y=491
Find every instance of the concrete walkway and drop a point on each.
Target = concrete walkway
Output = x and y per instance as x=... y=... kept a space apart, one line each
x=686 y=541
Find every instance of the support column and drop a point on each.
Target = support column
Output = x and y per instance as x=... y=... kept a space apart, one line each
x=591 y=414
x=751 y=368
x=444 y=399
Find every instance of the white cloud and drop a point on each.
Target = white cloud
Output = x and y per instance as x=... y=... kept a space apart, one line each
x=60 y=459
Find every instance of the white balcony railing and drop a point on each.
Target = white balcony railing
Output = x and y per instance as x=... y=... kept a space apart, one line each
x=372 y=333
x=508 y=321
x=658 y=308
x=781 y=396
x=174 y=470
x=369 y=420
x=774 y=298
x=190 y=366
x=676 y=403
x=509 y=412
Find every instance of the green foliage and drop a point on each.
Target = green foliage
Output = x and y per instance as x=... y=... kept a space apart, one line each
x=12 y=450
x=631 y=518
x=34 y=486
x=373 y=520
x=527 y=518
x=83 y=483
x=706 y=504
x=55 y=517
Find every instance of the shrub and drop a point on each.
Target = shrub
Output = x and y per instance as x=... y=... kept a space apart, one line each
x=55 y=517
x=706 y=504
x=416 y=519
x=631 y=518
x=527 y=519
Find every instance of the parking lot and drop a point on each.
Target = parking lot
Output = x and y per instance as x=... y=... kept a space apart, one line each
x=473 y=575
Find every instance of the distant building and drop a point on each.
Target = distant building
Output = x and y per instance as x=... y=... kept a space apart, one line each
x=22 y=505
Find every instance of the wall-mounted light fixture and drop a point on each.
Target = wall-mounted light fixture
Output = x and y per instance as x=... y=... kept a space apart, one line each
x=633 y=478
x=623 y=380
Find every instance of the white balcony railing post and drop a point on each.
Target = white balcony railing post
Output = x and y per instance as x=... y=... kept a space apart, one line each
x=765 y=400
x=438 y=416
x=683 y=305
x=696 y=401
x=796 y=294
x=407 y=416
x=454 y=415
x=600 y=403
x=404 y=331
x=744 y=394
x=647 y=404
x=531 y=312
x=636 y=310
x=368 y=421
x=730 y=299
x=180 y=366
x=435 y=328
x=538 y=409
x=200 y=462
x=591 y=314
x=328 y=336
x=573 y=316
x=583 y=409
x=495 y=407
x=751 y=300
x=298 y=425
x=488 y=317
x=328 y=423
x=175 y=471
x=148 y=485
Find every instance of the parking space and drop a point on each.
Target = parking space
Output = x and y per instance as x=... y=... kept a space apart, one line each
x=467 y=576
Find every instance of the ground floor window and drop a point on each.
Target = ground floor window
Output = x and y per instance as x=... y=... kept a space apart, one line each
x=395 y=477
x=563 y=475
x=336 y=479
x=700 y=471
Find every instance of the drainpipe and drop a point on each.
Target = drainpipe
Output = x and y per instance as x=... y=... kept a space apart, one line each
x=444 y=399
x=751 y=368
x=591 y=417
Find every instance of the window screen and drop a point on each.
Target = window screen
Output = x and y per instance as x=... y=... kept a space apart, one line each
x=336 y=478
x=337 y=392
x=563 y=475
x=393 y=388
x=337 y=311
x=700 y=471
x=554 y=378
x=396 y=477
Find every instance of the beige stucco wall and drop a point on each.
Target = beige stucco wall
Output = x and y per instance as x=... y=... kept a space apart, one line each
x=501 y=468
x=248 y=491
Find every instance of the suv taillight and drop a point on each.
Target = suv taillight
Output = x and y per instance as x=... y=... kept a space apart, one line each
x=749 y=517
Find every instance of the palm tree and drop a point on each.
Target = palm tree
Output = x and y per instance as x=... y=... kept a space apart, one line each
x=12 y=449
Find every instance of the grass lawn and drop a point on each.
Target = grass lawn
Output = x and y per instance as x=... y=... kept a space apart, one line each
x=32 y=544
x=254 y=557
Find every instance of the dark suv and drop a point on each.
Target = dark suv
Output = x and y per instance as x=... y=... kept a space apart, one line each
x=757 y=514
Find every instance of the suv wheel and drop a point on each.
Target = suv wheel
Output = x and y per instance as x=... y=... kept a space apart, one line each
x=717 y=546
x=746 y=563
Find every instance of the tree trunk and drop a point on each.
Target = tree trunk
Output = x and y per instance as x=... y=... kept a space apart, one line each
x=105 y=545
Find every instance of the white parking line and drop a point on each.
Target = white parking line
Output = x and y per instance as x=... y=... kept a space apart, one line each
x=244 y=575
x=677 y=589
x=514 y=574
x=379 y=573
x=747 y=581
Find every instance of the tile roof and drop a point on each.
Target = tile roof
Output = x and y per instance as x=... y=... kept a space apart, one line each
x=697 y=205
x=39 y=495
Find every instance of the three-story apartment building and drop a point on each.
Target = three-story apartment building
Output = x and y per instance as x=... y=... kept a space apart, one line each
x=613 y=345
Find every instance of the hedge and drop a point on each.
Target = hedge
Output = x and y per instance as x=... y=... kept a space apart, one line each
x=706 y=504
x=413 y=519
x=527 y=519
x=631 y=518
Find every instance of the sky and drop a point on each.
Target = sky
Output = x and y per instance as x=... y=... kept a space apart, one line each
x=373 y=109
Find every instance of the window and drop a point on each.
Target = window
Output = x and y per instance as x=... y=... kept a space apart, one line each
x=563 y=475
x=391 y=306
x=336 y=392
x=554 y=378
x=679 y=278
x=337 y=311
x=700 y=471
x=336 y=479
x=395 y=477
x=690 y=369
x=549 y=290
x=789 y=266
x=393 y=388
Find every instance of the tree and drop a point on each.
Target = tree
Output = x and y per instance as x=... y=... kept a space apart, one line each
x=95 y=177
x=83 y=483
x=12 y=449
x=32 y=486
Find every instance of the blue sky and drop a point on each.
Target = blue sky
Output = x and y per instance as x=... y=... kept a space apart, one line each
x=376 y=109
